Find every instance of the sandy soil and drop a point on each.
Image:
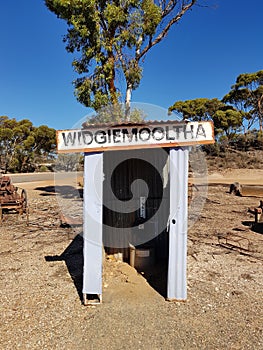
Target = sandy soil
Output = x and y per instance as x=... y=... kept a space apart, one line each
x=41 y=276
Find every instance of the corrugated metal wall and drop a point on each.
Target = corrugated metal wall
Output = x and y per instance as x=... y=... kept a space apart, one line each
x=128 y=176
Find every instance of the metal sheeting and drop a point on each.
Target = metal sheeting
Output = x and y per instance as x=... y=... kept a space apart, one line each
x=121 y=227
x=93 y=178
x=129 y=176
x=143 y=123
x=176 y=288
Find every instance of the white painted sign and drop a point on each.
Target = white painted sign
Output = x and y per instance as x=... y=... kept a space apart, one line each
x=142 y=207
x=157 y=134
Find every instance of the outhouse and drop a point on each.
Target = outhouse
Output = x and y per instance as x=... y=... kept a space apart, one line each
x=136 y=194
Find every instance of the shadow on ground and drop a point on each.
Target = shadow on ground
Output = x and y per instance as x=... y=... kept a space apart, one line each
x=156 y=276
x=73 y=257
x=64 y=191
x=258 y=227
x=255 y=227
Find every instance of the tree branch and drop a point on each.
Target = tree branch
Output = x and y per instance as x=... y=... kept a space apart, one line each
x=165 y=31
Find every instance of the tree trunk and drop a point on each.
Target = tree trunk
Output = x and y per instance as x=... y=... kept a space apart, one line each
x=260 y=112
x=128 y=102
x=111 y=84
x=112 y=89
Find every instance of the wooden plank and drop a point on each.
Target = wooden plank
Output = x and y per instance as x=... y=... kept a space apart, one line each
x=103 y=138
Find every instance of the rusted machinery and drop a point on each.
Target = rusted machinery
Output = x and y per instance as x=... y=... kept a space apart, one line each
x=12 y=198
x=258 y=212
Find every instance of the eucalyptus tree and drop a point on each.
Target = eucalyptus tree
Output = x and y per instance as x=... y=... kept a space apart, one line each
x=111 y=39
x=227 y=119
x=21 y=143
x=247 y=96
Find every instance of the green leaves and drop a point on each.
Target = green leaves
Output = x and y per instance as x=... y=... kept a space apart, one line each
x=110 y=40
x=241 y=106
x=114 y=15
x=133 y=73
x=227 y=121
x=197 y=109
x=115 y=114
x=21 y=143
x=152 y=17
x=247 y=95
x=226 y=118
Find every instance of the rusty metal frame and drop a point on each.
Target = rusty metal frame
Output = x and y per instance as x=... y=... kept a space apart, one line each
x=12 y=198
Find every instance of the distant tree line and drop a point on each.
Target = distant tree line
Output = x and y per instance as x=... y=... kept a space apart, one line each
x=237 y=118
x=23 y=147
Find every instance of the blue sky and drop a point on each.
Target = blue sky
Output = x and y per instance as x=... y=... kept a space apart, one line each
x=201 y=57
